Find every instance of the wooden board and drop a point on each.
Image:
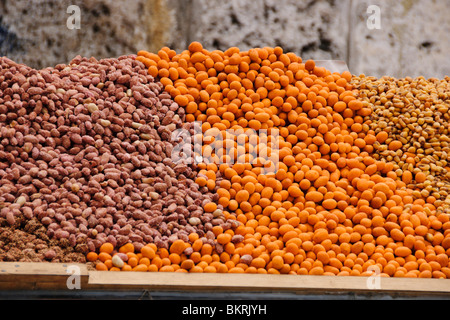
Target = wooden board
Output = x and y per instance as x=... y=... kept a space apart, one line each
x=265 y=283
x=36 y=276
x=61 y=276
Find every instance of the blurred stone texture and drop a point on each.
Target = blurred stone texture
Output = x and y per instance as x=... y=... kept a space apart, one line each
x=414 y=38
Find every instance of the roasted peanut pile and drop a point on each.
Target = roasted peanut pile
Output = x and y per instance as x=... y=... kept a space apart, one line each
x=86 y=149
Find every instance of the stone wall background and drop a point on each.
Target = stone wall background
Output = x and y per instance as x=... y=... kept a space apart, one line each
x=414 y=38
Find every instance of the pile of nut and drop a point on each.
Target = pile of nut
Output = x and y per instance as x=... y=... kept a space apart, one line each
x=415 y=114
x=86 y=149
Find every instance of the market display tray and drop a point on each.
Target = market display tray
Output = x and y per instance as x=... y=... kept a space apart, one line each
x=75 y=279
